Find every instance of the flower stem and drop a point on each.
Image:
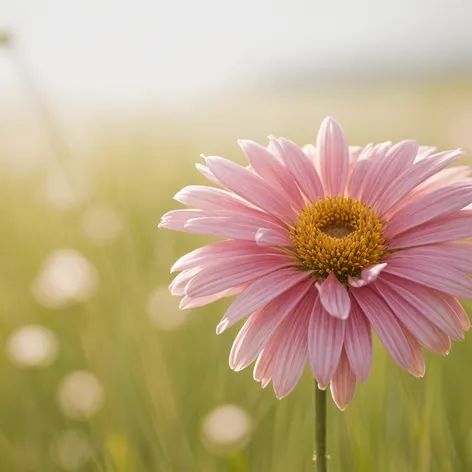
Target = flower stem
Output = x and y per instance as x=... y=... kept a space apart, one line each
x=320 y=456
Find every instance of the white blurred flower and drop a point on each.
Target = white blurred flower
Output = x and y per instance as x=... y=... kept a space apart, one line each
x=101 y=223
x=80 y=395
x=32 y=346
x=65 y=277
x=226 y=425
x=163 y=310
x=71 y=449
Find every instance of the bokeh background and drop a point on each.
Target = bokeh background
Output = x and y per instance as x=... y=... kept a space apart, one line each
x=105 y=107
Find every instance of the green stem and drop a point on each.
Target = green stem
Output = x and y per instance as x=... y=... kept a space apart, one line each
x=320 y=455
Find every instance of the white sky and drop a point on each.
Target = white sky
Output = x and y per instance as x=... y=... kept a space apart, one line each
x=102 y=51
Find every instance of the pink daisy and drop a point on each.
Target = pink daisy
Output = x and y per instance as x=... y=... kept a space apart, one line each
x=324 y=244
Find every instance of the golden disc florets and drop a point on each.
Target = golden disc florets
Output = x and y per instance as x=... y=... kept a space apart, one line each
x=340 y=235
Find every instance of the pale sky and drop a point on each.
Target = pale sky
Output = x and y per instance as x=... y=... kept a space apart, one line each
x=131 y=51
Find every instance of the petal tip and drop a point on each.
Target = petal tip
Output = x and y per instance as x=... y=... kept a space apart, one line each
x=356 y=283
x=244 y=143
x=183 y=303
x=328 y=119
x=179 y=193
x=418 y=372
x=330 y=123
x=334 y=297
x=222 y=325
x=341 y=406
x=186 y=303
x=264 y=383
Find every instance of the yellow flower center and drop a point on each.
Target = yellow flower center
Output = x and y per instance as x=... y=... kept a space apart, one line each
x=340 y=235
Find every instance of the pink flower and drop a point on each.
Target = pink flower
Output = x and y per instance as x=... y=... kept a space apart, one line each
x=322 y=245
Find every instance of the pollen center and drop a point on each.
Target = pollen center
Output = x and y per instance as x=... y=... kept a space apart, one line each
x=340 y=235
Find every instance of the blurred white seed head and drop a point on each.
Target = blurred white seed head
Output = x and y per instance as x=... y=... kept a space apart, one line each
x=80 y=395
x=226 y=425
x=32 y=346
x=71 y=449
x=163 y=310
x=101 y=223
x=66 y=276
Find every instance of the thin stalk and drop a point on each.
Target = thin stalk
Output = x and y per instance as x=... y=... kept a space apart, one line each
x=320 y=455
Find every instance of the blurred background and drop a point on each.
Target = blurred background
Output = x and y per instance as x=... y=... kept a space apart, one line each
x=104 y=109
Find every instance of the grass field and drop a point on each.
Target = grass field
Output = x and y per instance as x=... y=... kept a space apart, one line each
x=154 y=375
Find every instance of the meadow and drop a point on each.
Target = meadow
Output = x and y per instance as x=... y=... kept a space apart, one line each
x=117 y=379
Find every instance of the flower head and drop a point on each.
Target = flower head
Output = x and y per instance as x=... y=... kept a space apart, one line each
x=324 y=244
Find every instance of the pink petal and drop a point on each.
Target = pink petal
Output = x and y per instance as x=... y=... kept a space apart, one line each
x=418 y=367
x=218 y=277
x=222 y=250
x=260 y=292
x=358 y=342
x=177 y=219
x=251 y=187
x=398 y=158
x=300 y=167
x=206 y=172
x=412 y=177
x=401 y=155
x=325 y=342
x=189 y=302
x=374 y=172
x=413 y=320
x=244 y=350
x=457 y=225
x=343 y=384
x=273 y=172
x=356 y=182
x=430 y=303
x=457 y=255
x=334 y=297
x=387 y=327
x=291 y=354
x=231 y=225
x=354 y=153
x=424 y=271
x=180 y=282
x=262 y=324
x=211 y=198
x=427 y=207
x=457 y=309
x=273 y=237
x=368 y=275
x=360 y=170
x=424 y=152
x=310 y=151
x=333 y=153
x=445 y=177
x=263 y=369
